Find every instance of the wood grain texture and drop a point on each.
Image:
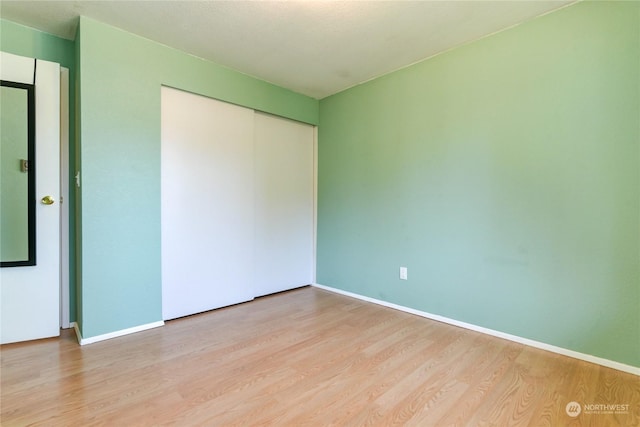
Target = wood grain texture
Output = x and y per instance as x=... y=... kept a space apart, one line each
x=304 y=357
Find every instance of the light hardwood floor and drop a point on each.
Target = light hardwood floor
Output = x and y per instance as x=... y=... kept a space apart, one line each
x=305 y=357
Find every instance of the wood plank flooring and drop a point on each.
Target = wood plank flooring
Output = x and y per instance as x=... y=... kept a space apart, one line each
x=305 y=357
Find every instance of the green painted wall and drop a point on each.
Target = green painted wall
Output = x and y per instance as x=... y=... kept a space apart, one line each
x=121 y=77
x=505 y=175
x=25 y=41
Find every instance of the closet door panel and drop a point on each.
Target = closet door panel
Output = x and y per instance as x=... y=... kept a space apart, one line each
x=207 y=203
x=284 y=204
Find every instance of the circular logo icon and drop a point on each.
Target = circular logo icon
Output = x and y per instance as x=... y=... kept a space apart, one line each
x=573 y=409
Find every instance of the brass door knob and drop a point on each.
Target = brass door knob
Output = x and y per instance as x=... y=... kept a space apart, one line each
x=47 y=200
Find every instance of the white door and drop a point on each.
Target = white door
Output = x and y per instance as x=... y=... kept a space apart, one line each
x=30 y=295
x=284 y=204
x=207 y=204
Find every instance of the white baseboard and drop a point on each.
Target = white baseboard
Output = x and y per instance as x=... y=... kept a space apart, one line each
x=115 y=334
x=548 y=347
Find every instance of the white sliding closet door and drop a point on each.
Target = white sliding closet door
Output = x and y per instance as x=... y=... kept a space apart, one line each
x=284 y=204
x=207 y=204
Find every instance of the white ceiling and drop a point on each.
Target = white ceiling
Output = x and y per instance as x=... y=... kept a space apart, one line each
x=316 y=48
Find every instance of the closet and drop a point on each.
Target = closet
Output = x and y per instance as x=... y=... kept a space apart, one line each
x=237 y=203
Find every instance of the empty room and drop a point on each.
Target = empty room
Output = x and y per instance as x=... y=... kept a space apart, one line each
x=345 y=213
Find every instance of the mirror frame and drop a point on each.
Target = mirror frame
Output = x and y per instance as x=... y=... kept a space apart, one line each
x=31 y=174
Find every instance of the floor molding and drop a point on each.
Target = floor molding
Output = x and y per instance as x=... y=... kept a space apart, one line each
x=537 y=344
x=115 y=334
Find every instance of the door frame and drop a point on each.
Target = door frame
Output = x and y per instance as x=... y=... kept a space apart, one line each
x=64 y=199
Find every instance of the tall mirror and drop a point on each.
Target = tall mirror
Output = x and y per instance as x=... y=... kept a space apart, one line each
x=17 y=175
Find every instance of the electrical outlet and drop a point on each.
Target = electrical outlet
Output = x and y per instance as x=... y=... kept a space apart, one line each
x=403 y=273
